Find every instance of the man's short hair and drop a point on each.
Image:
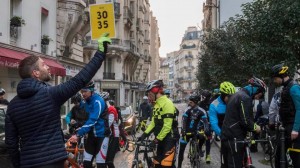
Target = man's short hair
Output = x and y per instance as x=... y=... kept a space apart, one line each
x=27 y=65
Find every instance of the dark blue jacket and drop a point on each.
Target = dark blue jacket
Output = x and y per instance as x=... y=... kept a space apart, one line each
x=33 y=126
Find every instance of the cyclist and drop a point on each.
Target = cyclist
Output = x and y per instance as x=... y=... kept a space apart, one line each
x=2 y=100
x=96 y=143
x=218 y=107
x=162 y=125
x=77 y=116
x=238 y=121
x=289 y=112
x=192 y=120
x=274 y=110
x=145 y=111
x=113 y=147
x=204 y=103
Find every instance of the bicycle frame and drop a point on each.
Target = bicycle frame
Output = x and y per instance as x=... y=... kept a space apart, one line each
x=247 y=143
x=75 y=155
x=138 y=163
x=194 y=154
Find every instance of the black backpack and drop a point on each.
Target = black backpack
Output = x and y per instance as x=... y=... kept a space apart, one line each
x=104 y=115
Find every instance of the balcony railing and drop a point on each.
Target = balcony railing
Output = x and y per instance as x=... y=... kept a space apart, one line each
x=130 y=45
x=108 y=75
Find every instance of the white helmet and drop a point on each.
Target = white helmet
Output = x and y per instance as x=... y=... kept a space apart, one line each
x=104 y=95
x=145 y=98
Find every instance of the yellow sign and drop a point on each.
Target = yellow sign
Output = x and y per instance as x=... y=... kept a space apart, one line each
x=102 y=20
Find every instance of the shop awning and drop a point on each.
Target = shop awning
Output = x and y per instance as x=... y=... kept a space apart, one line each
x=11 y=58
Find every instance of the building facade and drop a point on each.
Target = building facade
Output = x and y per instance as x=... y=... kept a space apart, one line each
x=127 y=67
x=179 y=68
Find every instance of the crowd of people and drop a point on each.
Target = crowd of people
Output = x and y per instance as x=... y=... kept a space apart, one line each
x=34 y=137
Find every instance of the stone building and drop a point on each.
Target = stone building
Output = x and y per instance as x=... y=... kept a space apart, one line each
x=127 y=67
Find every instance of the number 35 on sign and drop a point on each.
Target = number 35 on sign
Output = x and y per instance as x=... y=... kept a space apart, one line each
x=102 y=20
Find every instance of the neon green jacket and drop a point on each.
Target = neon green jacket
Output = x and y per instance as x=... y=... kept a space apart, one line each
x=162 y=118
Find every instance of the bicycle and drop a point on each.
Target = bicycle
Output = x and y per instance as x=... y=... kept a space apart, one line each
x=75 y=154
x=146 y=161
x=247 y=161
x=124 y=144
x=269 y=152
x=194 y=150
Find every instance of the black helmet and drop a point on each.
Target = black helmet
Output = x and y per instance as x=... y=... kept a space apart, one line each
x=254 y=81
x=111 y=102
x=279 y=70
x=76 y=98
x=154 y=83
x=206 y=93
x=90 y=86
x=2 y=92
x=194 y=98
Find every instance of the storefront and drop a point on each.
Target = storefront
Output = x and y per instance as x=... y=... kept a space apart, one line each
x=9 y=62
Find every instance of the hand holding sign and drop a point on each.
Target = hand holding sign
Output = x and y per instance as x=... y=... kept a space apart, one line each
x=103 y=41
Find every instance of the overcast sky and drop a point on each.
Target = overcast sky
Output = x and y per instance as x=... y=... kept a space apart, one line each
x=174 y=17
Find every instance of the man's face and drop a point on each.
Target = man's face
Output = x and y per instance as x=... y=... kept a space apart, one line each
x=258 y=96
x=191 y=103
x=86 y=94
x=1 y=97
x=226 y=99
x=43 y=71
x=151 y=97
x=277 y=81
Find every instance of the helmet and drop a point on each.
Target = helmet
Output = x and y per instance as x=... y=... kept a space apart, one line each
x=104 y=95
x=111 y=102
x=89 y=86
x=227 y=88
x=167 y=92
x=76 y=98
x=206 y=93
x=194 y=98
x=254 y=81
x=2 y=92
x=153 y=84
x=145 y=98
x=279 y=70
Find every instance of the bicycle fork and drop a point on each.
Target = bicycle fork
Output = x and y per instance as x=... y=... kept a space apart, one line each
x=248 y=155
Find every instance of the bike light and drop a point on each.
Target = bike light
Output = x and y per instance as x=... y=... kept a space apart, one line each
x=130 y=120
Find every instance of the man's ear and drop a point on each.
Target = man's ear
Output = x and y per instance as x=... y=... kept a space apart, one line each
x=35 y=74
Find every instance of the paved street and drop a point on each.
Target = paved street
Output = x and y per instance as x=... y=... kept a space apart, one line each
x=125 y=159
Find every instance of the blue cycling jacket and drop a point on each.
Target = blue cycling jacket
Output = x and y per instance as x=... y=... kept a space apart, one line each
x=216 y=111
x=95 y=106
x=295 y=94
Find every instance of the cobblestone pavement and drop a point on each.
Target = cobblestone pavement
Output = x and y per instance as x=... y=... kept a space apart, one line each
x=124 y=160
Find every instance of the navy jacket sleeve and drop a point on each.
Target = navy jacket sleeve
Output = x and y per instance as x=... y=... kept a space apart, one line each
x=12 y=141
x=62 y=92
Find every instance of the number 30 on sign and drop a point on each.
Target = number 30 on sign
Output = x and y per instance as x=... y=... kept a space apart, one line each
x=102 y=20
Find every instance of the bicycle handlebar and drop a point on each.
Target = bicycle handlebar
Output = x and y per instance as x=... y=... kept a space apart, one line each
x=252 y=141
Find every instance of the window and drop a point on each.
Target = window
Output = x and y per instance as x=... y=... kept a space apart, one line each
x=108 y=65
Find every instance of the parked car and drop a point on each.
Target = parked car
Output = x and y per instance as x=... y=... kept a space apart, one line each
x=129 y=119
